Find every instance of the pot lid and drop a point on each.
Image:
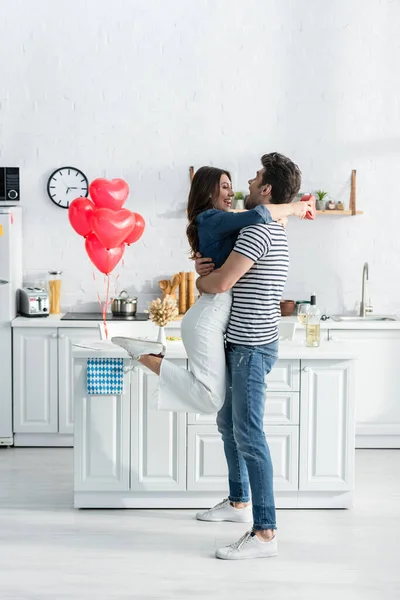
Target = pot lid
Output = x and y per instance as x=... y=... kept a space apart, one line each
x=124 y=296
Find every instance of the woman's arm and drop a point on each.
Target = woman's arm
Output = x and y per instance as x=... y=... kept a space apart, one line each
x=222 y=224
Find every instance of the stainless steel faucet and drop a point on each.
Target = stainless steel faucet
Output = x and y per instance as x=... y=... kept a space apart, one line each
x=363 y=290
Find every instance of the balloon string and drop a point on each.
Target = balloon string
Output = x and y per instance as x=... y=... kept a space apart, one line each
x=107 y=284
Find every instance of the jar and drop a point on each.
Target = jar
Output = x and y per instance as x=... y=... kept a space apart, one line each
x=55 y=292
x=331 y=205
x=340 y=206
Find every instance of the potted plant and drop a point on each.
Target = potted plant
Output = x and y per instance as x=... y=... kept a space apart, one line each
x=321 y=199
x=239 y=201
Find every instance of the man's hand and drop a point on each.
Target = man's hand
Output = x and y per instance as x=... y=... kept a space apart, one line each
x=204 y=266
x=283 y=221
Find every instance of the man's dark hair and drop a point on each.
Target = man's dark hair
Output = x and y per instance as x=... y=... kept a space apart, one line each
x=282 y=175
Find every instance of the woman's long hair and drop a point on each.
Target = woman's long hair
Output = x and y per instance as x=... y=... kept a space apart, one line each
x=203 y=191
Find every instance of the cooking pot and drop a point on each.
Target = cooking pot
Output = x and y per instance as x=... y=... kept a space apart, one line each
x=123 y=305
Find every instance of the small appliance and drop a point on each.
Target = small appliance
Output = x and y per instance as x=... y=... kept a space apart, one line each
x=9 y=185
x=33 y=302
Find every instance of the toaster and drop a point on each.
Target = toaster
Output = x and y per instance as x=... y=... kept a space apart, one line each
x=33 y=302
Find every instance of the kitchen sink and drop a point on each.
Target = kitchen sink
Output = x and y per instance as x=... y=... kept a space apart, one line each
x=366 y=318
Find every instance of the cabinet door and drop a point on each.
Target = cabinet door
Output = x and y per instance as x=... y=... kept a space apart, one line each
x=35 y=374
x=377 y=385
x=326 y=426
x=207 y=470
x=158 y=439
x=66 y=338
x=101 y=436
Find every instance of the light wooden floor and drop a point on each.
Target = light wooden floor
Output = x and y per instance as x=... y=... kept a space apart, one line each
x=50 y=551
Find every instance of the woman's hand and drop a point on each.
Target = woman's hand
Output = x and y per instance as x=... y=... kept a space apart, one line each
x=283 y=221
x=203 y=266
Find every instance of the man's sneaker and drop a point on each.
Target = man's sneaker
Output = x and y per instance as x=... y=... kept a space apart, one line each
x=249 y=546
x=224 y=511
x=136 y=347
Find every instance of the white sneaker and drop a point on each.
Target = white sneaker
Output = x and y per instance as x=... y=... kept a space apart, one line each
x=224 y=511
x=249 y=546
x=136 y=347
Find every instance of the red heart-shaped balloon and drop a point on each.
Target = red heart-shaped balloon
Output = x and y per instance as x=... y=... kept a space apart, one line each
x=104 y=259
x=137 y=231
x=112 y=226
x=80 y=214
x=107 y=193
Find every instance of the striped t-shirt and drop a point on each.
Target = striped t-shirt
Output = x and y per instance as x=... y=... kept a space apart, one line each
x=256 y=311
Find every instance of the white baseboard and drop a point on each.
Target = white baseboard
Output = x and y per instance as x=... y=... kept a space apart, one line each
x=378 y=435
x=131 y=500
x=377 y=441
x=51 y=440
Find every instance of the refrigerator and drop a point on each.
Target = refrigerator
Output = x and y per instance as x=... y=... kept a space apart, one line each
x=10 y=282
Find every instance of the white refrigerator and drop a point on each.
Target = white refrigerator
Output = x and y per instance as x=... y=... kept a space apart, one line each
x=10 y=282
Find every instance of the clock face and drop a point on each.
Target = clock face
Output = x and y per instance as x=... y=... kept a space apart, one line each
x=66 y=184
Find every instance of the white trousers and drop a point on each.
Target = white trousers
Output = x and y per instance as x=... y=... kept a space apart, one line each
x=201 y=389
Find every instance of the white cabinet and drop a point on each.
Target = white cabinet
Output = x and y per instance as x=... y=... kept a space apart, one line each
x=377 y=389
x=43 y=384
x=158 y=459
x=35 y=373
x=207 y=469
x=102 y=437
x=66 y=338
x=326 y=461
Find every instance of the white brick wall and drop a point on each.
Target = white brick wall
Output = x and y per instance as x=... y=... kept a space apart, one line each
x=141 y=90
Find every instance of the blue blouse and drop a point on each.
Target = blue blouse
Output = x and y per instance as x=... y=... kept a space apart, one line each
x=218 y=230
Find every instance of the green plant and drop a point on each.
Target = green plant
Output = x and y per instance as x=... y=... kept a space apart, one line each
x=321 y=195
x=239 y=196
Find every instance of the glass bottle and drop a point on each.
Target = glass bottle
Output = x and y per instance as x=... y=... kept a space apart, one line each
x=55 y=292
x=313 y=325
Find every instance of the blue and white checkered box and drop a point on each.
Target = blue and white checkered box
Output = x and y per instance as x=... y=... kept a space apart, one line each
x=105 y=376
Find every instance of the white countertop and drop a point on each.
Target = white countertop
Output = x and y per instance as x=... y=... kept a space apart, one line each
x=287 y=350
x=55 y=321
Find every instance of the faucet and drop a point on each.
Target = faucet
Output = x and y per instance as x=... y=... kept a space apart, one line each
x=363 y=289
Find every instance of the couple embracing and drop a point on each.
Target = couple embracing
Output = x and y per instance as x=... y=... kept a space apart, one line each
x=231 y=334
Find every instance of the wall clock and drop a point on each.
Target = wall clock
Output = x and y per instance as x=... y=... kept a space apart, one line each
x=66 y=184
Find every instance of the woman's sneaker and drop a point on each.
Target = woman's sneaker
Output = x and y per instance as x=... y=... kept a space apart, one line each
x=224 y=511
x=249 y=546
x=136 y=347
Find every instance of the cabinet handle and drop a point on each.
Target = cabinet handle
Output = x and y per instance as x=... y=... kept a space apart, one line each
x=305 y=369
x=53 y=335
x=62 y=336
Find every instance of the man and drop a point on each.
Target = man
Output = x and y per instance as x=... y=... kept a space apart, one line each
x=256 y=270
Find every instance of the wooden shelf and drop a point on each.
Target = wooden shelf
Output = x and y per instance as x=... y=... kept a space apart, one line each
x=346 y=213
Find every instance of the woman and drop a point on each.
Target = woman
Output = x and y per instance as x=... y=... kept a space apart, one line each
x=212 y=230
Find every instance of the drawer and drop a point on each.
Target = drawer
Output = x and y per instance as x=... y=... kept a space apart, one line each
x=284 y=377
x=281 y=408
x=206 y=466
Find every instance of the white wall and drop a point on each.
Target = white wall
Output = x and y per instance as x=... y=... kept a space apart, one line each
x=141 y=90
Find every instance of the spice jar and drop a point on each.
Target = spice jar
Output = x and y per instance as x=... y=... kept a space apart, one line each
x=55 y=292
x=331 y=205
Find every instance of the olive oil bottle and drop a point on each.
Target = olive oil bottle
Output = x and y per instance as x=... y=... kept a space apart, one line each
x=313 y=324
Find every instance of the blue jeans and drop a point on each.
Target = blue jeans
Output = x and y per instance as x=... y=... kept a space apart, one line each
x=240 y=422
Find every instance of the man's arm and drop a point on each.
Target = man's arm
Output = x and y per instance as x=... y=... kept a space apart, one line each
x=223 y=279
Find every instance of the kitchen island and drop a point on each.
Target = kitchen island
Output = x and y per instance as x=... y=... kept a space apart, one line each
x=127 y=455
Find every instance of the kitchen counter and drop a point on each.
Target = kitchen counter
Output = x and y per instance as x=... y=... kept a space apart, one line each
x=175 y=350
x=56 y=321
x=127 y=455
